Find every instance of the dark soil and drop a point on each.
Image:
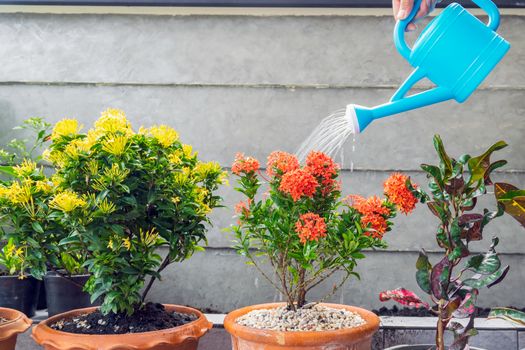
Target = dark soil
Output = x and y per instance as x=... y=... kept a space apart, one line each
x=152 y=317
x=421 y=312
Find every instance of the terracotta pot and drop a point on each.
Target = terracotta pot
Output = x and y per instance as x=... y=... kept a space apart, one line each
x=419 y=347
x=185 y=337
x=17 y=323
x=246 y=338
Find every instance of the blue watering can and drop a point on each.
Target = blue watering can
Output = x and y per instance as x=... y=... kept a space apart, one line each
x=456 y=51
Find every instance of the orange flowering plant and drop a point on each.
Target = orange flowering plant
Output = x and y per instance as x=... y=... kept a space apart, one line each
x=303 y=226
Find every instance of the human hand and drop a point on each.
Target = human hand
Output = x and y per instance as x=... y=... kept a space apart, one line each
x=402 y=9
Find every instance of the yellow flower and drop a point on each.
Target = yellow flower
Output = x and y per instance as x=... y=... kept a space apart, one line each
x=175 y=200
x=25 y=169
x=67 y=201
x=112 y=121
x=65 y=127
x=55 y=157
x=148 y=237
x=174 y=158
x=187 y=150
x=127 y=243
x=20 y=194
x=4 y=192
x=44 y=186
x=110 y=244
x=116 y=174
x=106 y=207
x=164 y=134
x=57 y=180
x=92 y=167
x=115 y=145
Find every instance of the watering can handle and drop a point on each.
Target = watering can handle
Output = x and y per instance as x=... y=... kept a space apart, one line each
x=399 y=30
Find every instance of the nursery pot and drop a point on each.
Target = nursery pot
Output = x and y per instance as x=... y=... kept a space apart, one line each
x=19 y=294
x=17 y=323
x=420 y=347
x=65 y=293
x=246 y=338
x=185 y=337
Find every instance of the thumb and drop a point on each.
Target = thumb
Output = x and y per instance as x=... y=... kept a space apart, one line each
x=404 y=9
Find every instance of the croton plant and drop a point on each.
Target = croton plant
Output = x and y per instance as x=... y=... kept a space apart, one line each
x=303 y=226
x=454 y=281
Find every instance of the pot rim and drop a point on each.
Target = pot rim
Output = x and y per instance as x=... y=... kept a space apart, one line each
x=51 y=274
x=299 y=337
x=179 y=308
x=19 y=324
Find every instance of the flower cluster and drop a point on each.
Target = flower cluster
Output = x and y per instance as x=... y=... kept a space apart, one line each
x=310 y=227
x=398 y=193
x=280 y=163
x=375 y=213
x=298 y=183
x=245 y=165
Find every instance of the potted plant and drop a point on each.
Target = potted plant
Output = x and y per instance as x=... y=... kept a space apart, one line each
x=23 y=209
x=123 y=195
x=308 y=233
x=15 y=153
x=455 y=280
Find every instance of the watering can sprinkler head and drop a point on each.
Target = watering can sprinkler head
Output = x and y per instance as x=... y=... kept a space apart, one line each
x=359 y=117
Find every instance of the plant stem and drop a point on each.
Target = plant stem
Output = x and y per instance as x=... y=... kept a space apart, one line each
x=162 y=266
x=301 y=293
x=440 y=343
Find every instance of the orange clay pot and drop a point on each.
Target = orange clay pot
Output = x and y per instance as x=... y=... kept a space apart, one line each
x=184 y=337
x=17 y=323
x=245 y=338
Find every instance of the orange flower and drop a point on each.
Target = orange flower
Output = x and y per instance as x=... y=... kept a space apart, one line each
x=310 y=227
x=280 y=163
x=244 y=164
x=377 y=224
x=243 y=207
x=322 y=166
x=373 y=213
x=298 y=183
x=397 y=192
x=370 y=205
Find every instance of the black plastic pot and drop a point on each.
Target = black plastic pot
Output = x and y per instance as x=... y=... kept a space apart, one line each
x=42 y=303
x=19 y=294
x=65 y=293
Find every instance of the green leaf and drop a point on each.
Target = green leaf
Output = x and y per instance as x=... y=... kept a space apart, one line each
x=479 y=280
x=446 y=163
x=37 y=227
x=424 y=269
x=511 y=315
x=6 y=169
x=513 y=200
x=479 y=165
x=487 y=263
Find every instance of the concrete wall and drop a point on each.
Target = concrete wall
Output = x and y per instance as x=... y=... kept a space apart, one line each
x=256 y=84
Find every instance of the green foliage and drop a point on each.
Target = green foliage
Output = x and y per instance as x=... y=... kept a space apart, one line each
x=306 y=237
x=123 y=195
x=512 y=199
x=19 y=149
x=508 y=314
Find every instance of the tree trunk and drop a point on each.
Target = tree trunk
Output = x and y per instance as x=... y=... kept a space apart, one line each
x=301 y=294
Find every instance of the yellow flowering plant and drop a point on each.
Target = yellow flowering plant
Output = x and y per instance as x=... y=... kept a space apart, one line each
x=122 y=195
x=25 y=222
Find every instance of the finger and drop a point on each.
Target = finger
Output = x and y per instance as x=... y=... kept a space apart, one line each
x=411 y=27
x=395 y=7
x=424 y=9
x=404 y=8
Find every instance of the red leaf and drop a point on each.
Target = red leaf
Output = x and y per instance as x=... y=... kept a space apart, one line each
x=404 y=297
